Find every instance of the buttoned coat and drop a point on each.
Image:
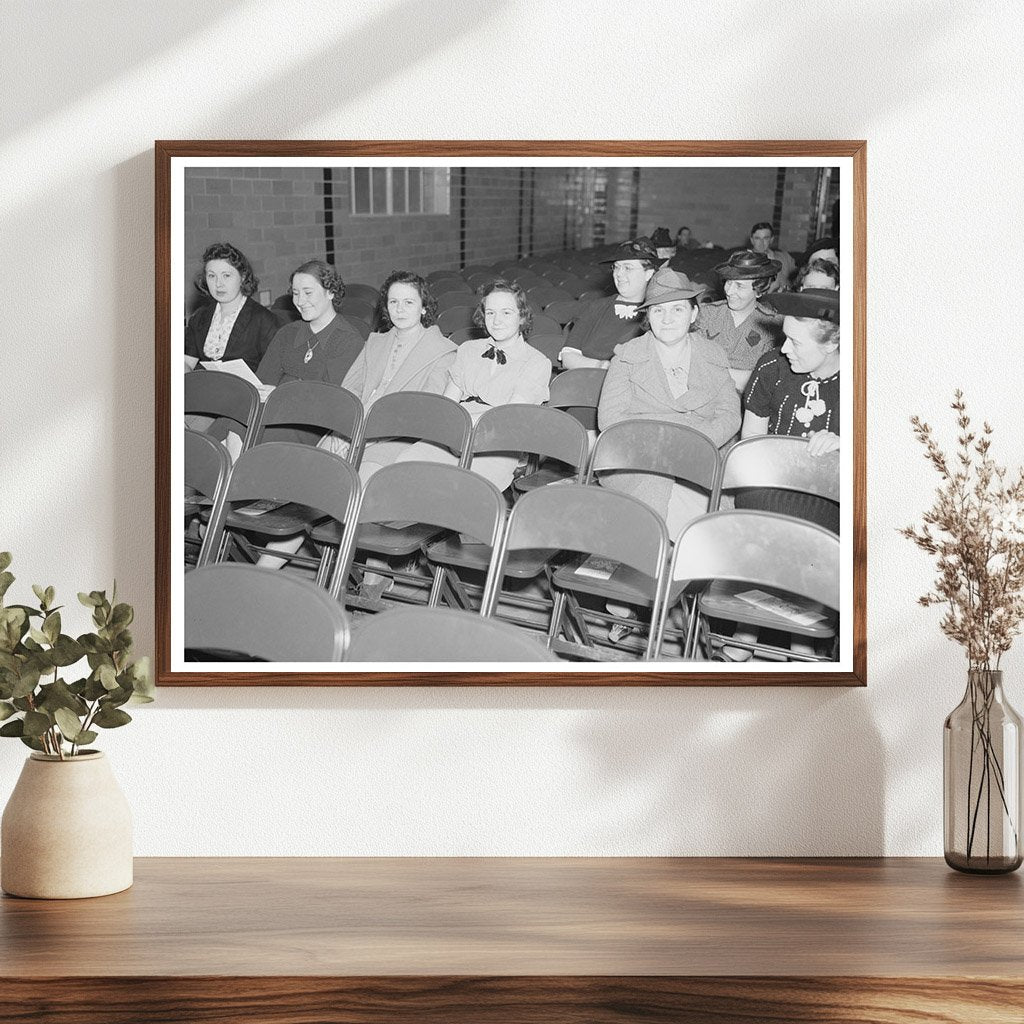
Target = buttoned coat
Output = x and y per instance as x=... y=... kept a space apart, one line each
x=636 y=387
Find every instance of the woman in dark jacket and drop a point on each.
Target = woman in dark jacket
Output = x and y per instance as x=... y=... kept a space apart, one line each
x=234 y=325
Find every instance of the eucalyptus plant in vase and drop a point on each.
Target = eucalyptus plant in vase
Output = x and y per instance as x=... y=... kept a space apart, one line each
x=66 y=830
x=975 y=530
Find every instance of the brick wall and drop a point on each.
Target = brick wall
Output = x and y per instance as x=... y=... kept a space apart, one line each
x=276 y=215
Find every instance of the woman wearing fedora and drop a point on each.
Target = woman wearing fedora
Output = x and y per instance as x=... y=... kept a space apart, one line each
x=744 y=328
x=796 y=392
x=670 y=373
x=607 y=323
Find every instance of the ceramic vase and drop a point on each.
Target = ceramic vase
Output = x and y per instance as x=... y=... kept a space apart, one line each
x=66 y=831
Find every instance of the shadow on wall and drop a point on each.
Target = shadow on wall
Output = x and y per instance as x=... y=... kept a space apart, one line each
x=725 y=771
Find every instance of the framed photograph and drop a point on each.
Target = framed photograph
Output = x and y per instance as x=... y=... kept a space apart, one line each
x=600 y=379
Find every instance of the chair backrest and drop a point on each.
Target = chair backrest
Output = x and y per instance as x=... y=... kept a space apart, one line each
x=441 y=634
x=458 y=316
x=534 y=429
x=214 y=393
x=545 y=324
x=361 y=327
x=441 y=275
x=262 y=613
x=311 y=403
x=465 y=334
x=579 y=392
x=358 y=309
x=773 y=460
x=207 y=464
x=658 y=446
x=366 y=292
x=548 y=345
x=762 y=549
x=421 y=416
x=600 y=522
x=280 y=471
x=454 y=299
x=563 y=310
x=435 y=494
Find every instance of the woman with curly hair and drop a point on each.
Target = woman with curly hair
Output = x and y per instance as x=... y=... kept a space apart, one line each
x=501 y=369
x=320 y=346
x=232 y=326
x=409 y=354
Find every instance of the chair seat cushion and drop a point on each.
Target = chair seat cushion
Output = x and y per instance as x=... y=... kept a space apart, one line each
x=721 y=601
x=286 y=520
x=623 y=584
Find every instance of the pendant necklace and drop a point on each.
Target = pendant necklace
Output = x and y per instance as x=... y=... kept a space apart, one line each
x=309 y=350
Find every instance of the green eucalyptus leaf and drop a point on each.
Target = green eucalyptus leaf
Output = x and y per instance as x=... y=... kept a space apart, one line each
x=94 y=689
x=89 y=600
x=5 y=560
x=66 y=650
x=30 y=645
x=14 y=728
x=27 y=681
x=6 y=710
x=69 y=724
x=51 y=626
x=122 y=616
x=40 y=593
x=58 y=695
x=86 y=736
x=107 y=676
x=39 y=636
x=95 y=644
x=36 y=723
x=22 y=703
x=6 y=579
x=35 y=744
x=110 y=717
x=115 y=698
x=50 y=595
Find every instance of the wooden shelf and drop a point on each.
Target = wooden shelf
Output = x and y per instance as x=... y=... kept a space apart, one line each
x=573 y=941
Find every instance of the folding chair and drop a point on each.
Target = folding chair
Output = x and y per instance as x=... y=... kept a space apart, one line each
x=578 y=393
x=275 y=490
x=544 y=294
x=304 y=410
x=528 y=429
x=465 y=334
x=544 y=324
x=224 y=396
x=361 y=327
x=765 y=571
x=547 y=344
x=365 y=292
x=207 y=466
x=441 y=275
x=441 y=634
x=358 y=309
x=455 y=318
x=453 y=300
x=410 y=416
x=426 y=498
x=625 y=541
x=781 y=462
x=261 y=615
x=563 y=311
x=664 y=449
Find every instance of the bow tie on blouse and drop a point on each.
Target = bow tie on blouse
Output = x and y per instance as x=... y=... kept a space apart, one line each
x=626 y=312
x=495 y=353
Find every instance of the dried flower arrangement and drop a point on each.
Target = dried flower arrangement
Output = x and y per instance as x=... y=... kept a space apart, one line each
x=975 y=528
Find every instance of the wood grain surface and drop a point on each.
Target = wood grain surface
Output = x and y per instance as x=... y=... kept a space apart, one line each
x=567 y=940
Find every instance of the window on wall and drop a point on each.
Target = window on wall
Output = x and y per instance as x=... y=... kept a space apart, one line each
x=387 y=191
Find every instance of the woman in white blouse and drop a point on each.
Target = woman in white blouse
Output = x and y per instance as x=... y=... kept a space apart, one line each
x=501 y=369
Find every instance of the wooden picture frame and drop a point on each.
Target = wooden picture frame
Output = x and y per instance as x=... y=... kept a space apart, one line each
x=174 y=265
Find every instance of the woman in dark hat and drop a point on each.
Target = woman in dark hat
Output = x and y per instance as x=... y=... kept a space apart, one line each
x=796 y=392
x=670 y=373
x=744 y=328
x=607 y=323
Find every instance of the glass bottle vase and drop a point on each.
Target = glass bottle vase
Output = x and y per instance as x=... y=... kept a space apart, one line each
x=981 y=779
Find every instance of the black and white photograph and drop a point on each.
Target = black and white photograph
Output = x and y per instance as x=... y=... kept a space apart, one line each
x=549 y=417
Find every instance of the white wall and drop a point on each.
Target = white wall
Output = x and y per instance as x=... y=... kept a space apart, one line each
x=935 y=87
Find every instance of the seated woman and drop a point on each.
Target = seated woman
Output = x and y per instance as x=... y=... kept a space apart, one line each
x=796 y=392
x=322 y=345
x=501 y=369
x=744 y=328
x=608 y=322
x=818 y=273
x=670 y=373
x=411 y=354
x=233 y=326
